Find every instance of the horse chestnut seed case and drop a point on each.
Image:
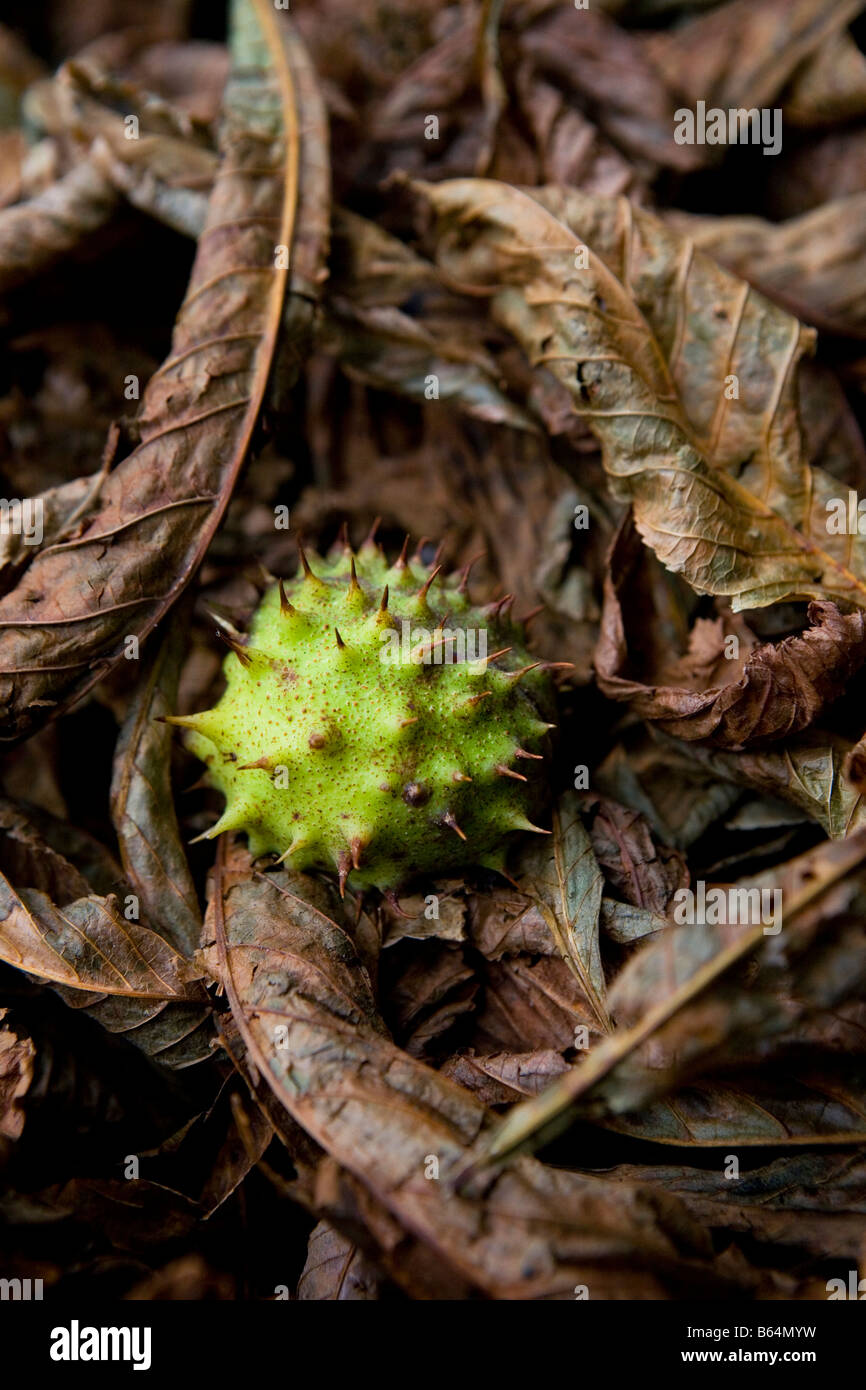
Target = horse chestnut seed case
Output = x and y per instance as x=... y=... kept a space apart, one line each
x=377 y=725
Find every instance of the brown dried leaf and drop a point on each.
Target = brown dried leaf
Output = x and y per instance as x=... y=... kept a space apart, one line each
x=816 y=1201
x=624 y=923
x=566 y=881
x=427 y=996
x=605 y=68
x=761 y=1108
x=813 y=265
x=831 y=87
x=60 y=509
x=500 y=1078
x=390 y=351
x=336 y=1270
x=305 y=1009
x=571 y=149
x=374 y=275
x=684 y=1003
x=505 y=922
x=16 y=1072
x=639 y=871
x=746 y=51
x=808 y=772
x=778 y=690
x=89 y=945
x=64 y=624
x=168 y=171
x=446 y=923
x=26 y=857
x=123 y=974
x=41 y=232
x=141 y=799
x=528 y=1005
x=645 y=335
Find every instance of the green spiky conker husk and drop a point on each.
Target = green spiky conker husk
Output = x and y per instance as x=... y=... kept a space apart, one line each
x=350 y=740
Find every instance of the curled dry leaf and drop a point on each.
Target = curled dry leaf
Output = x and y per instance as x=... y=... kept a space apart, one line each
x=89 y=945
x=744 y=53
x=444 y=79
x=374 y=278
x=506 y=922
x=161 y=176
x=185 y=1190
x=77 y=862
x=809 y=772
x=141 y=800
x=624 y=923
x=779 y=690
x=568 y=885
x=755 y=1109
x=85 y=99
x=336 y=1270
x=816 y=1200
x=447 y=924
x=304 y=1007
x=812 y=264
x=122 y=973
x=27 y=857
x=16 y=1072
x=607 y=69
x=63 y=625
x=649 y=336
x=58 y=510
x=433 y=991
x=855 y=765
x=35 y=235
x=651 y=771
x=528 y=1004
x=643 y=873
x=831 y=86
x=499 y=1078
x=373 y=268
x=168 y=171
x=387 y=349
x=571 y=149
x=684 y=1005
